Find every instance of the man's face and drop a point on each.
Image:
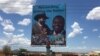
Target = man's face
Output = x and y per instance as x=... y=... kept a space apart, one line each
x=41 y=20
x=58 y=24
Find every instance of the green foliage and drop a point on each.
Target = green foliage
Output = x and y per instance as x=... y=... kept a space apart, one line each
x=22 y=51
x=6 y=50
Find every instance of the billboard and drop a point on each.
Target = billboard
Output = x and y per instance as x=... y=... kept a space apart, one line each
x=48 y=25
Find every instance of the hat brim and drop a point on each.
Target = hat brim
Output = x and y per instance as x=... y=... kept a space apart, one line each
x=40 y=16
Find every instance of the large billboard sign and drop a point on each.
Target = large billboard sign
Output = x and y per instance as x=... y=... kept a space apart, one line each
x=48 y=25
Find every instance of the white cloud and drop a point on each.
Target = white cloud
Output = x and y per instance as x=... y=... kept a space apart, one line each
x=3 y=1
x=22 y=7
x=95 y=48
x=9 y=28
x=19 y=40
x=94 y=14
x=83 y=42
x=25 y=22
x=94 y=30
x=85 y=37
x=20 y=30
x=15 y=40
x=98 y=36
x=7 y=34
x=70 y=49
x=1 y=19
x=76 y=30
x=82 y=47
x=8 y=25
x=3 y=42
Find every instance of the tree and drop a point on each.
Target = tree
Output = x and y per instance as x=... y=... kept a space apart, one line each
x=7 y=50
x=22 y=52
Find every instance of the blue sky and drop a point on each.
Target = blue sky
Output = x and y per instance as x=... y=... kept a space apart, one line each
x=82 y=24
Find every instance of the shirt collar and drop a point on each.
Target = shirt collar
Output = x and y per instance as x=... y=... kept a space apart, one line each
x=58 y=33
x=39 y=24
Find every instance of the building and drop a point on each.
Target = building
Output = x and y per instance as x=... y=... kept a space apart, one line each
x=94 y=53
x=54 y=54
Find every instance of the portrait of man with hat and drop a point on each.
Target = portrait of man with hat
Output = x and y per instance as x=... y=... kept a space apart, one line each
x=40 y=30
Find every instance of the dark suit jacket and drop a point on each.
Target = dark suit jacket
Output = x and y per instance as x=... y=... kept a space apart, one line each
x=36 y=29
x=37 y=33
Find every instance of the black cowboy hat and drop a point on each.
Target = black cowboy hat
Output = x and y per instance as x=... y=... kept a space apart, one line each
x=43 y=15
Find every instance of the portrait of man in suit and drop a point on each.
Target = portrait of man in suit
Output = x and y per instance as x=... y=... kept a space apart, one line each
x=40 y=30
x=48 y=25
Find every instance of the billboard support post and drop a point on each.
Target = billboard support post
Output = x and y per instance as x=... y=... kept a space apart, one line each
x=48 y=49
